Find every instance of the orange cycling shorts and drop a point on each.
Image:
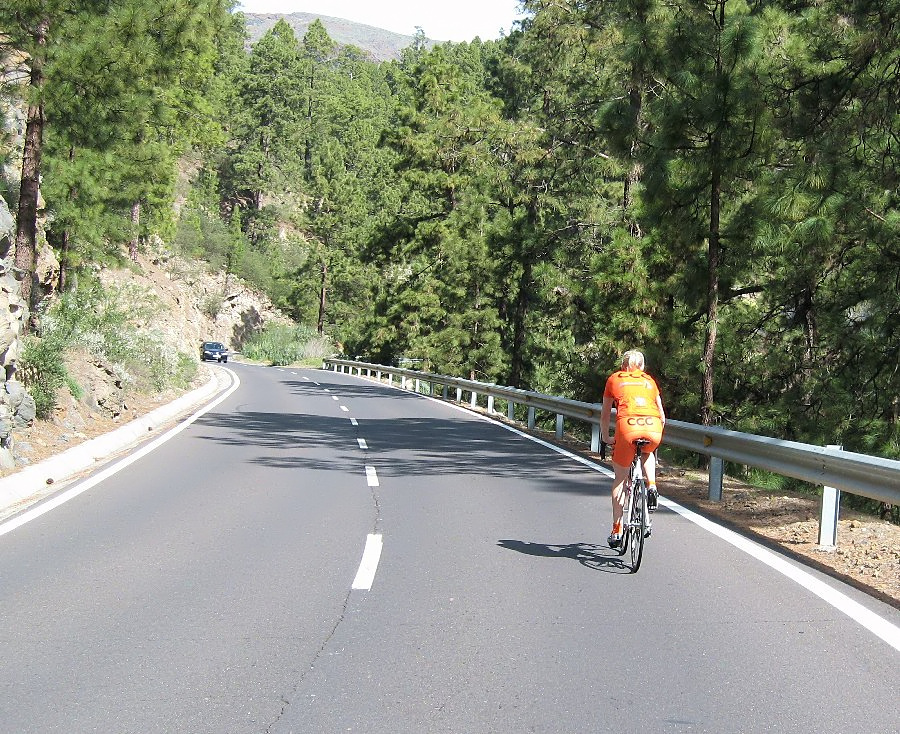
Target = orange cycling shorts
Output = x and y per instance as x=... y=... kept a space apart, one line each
x=629 y=430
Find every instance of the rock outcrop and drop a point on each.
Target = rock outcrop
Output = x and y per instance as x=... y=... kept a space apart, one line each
x=16 y=405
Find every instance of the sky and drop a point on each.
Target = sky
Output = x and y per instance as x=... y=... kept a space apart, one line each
x=442 y=20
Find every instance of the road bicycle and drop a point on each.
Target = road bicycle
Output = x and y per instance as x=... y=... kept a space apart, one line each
x=635 y=514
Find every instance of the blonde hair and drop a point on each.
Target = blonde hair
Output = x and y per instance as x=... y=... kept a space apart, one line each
x=633 y=360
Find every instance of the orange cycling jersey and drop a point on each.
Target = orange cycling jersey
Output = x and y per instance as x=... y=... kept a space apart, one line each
x=635 y=394
x=637 y=412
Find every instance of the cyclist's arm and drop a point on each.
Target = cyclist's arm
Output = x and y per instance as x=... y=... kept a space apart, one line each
x=605 y=415
x=662 y=413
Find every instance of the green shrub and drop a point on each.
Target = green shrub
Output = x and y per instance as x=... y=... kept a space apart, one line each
x=155 y=366
x=282 y=344
x=184 y=370
x=43 y=372
x=108 y=323
x=211 y=306
x=75 y=390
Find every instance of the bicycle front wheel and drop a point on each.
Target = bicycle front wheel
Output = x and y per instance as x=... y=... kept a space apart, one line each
x=626 y=514
x=637 y=523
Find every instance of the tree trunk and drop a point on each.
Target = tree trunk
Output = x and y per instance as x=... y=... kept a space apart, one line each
x=320 y=325
x=62 y=247
x=712 y=300
x=29 y=190
x=523 y=298
x=135 y=230
x=712 y=288
x=62 y=240
x=307 y=153
x=635 y=104
x=520 y=314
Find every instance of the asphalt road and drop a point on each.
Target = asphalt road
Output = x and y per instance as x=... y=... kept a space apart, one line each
x=208 y=587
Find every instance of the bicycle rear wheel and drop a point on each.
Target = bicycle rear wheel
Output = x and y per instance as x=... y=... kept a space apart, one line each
x=637 y=524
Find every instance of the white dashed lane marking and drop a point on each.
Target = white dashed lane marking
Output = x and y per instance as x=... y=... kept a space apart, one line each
x=369 y=564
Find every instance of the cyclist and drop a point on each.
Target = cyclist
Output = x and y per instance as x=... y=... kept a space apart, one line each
x=639 y=414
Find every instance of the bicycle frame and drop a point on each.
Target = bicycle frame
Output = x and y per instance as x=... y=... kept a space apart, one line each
x=635 y=515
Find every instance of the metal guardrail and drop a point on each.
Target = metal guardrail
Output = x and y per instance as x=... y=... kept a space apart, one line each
x=831 y=467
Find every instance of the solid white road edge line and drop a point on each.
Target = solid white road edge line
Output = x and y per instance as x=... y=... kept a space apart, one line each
x=71 y=493
x=879 y=626
x=369 y=564
x=871 y=621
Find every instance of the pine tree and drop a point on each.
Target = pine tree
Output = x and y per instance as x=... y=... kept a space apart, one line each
x=709 y=131
x=440 y=292
x=832 y=291
x=266 y=127
x=102 y=81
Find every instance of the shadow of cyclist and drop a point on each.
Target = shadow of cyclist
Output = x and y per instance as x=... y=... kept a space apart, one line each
x=591 y=555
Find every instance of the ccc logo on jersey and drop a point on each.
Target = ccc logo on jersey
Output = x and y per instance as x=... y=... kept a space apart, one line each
x=641 y=421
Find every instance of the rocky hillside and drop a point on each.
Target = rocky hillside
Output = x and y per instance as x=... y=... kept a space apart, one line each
x=185 y=304
x=193 y=304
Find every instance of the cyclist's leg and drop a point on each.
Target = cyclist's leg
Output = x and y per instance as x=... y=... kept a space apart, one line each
x=648 y=459
x=618 y=495
x=622 y=456
x=653 y=434
x=648 y=463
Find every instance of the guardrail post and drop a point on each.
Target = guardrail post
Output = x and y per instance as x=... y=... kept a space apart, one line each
x=490 y=404
x=716 y=477
x=510 y=410
x=445 y=391
x=531 y=417
x=459 y=395
x=559 y=425
x=595 y=438
x=474 y=401
x=390 y=379
x=378 y=375
x=417 y=384
x=831 y=510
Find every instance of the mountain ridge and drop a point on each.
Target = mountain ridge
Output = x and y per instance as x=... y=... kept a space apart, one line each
x=381 y=44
